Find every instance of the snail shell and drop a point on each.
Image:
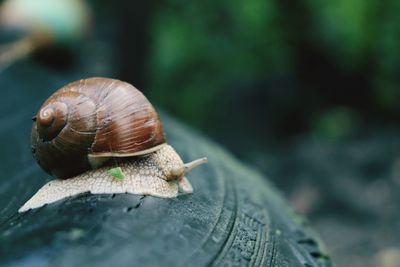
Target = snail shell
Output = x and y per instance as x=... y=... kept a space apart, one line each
x=88 y=121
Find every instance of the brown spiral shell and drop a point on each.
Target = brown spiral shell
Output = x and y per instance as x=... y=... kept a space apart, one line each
x=95 y=118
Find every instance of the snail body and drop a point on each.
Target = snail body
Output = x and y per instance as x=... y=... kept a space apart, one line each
x=92 y=125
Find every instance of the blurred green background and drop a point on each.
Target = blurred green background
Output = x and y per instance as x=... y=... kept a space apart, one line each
x=254 y=72
x=306 y=91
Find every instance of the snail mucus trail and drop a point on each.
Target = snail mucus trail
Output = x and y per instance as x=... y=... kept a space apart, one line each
x=92 y=125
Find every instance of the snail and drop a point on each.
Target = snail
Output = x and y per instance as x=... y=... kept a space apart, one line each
x=102 y=135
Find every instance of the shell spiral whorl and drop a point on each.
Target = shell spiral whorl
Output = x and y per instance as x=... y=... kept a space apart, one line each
x=51 y=120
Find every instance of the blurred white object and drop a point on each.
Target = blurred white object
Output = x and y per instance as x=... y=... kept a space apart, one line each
x=43 y=22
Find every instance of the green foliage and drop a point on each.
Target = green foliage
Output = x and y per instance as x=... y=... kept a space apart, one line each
x=345 y=28
x=117 y=173
x=336 y=123
x=199 y=49
x=359 y=33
